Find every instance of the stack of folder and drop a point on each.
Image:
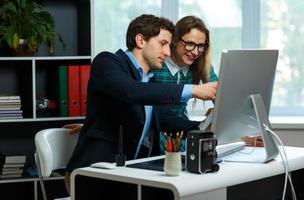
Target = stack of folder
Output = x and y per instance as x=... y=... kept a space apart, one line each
x=73 y=81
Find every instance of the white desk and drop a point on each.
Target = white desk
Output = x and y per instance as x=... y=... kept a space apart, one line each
x=189 y=186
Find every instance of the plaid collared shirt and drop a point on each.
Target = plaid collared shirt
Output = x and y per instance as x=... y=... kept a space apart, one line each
x=164 y=75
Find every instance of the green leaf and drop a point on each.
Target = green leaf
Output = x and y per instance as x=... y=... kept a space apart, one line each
x=9 y=36
x=15 y=41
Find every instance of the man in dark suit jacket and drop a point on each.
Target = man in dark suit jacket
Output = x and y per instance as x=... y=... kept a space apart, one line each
x=119 y=95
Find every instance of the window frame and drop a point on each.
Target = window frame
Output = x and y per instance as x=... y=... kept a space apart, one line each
x=251 y=38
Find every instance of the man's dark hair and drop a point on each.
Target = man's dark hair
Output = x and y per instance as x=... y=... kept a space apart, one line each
x=147 y=25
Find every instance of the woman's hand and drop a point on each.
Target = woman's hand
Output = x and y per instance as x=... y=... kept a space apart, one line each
x=73 y=128
x=253 y=141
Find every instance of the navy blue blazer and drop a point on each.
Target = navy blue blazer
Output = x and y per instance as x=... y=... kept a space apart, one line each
x=117 y=97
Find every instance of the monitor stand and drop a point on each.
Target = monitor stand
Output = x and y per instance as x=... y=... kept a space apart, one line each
x=270 y=150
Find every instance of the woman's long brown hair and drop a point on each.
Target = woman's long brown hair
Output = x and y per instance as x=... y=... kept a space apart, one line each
x=201 y=66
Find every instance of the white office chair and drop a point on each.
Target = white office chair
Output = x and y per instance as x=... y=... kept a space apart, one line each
x=54 y=147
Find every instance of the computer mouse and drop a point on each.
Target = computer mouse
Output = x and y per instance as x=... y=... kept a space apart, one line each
x=104 y=165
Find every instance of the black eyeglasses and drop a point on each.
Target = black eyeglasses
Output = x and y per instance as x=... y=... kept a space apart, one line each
x=190 y=46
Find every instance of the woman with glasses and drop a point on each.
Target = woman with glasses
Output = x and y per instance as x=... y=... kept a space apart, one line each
x=189 y=63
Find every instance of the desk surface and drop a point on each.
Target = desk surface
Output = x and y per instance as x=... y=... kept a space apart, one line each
x=187 y=184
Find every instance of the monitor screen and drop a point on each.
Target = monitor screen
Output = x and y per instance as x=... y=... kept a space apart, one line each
x=242 y=73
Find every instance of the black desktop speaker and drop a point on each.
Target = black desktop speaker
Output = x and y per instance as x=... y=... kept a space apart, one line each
x=201 y=156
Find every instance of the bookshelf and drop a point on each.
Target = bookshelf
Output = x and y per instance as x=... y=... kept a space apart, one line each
x=34 y=78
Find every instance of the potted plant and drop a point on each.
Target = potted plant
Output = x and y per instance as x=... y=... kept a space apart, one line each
x=24 y=27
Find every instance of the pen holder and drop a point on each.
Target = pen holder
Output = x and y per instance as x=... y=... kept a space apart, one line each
x=173 y=163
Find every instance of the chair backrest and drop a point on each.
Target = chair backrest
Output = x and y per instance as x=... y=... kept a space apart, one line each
x=54 y=147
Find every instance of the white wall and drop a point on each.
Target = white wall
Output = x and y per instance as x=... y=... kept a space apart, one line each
x=291 y=137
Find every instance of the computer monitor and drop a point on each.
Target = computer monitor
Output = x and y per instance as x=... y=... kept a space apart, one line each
x=243 y=97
